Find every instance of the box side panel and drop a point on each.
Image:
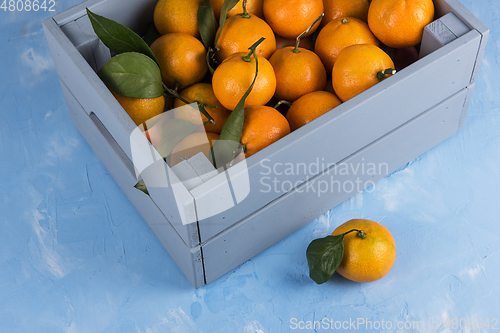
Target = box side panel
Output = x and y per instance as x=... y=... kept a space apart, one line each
x=134 y=14
x=82 y=36
x=188 y=259
x=446 y=6
x=92 y=94
x=298 y=207
x=468 y=97
x=443 y=7
x=86 y=86
x=440 y=32
x=79 y=31
x=347 y=128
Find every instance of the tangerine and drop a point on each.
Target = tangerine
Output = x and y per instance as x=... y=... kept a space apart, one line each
x=400 y=23
x=298 y=72
x=177 y=16
x=253 y=7
x=181 y=58
x=262 y=126
x=141 y=109
x=239 y=33
x=368 y=256
x=204 y=94
x=359 y=67
x=338 y=34
x=345 y=8
x=191 y=145
x=309 y=107
x=289 y=18
x=233 y=77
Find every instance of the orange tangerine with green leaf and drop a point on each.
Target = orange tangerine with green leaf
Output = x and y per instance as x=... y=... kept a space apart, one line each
x=234 y=76
x=369 y=252
x=360 y=250
x=227 y=150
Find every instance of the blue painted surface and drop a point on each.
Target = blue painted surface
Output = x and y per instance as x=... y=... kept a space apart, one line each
x=75 y=256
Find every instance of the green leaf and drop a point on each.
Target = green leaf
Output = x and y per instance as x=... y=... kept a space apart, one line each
x=207 y=24
x=141 y=186
x=174 y=131
x=227 y=146
x=211 y=60
x=118 y=37
x=226 y=7
x=202 y=109
x=324 y=256
x=132 y=74
x=152 y=34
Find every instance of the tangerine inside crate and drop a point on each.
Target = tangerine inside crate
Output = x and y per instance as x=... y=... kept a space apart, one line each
x=213 y=224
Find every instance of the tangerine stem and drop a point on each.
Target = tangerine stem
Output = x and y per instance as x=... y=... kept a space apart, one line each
x=175 y=94
x=360 y=233
x=385 y=73
x=252 y=48
x=282 y=102
x=177 y=85
x=296 y=49
x=245 y=13
x=207 y=105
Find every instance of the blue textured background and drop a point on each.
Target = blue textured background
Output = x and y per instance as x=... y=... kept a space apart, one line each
x=75 y=256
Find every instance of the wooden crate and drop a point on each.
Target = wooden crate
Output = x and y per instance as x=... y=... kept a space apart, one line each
x=211 y=228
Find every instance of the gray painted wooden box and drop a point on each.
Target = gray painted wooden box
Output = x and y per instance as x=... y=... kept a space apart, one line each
x=241 y=212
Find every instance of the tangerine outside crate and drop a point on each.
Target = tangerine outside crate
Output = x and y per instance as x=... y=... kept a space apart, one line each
x=388 y=125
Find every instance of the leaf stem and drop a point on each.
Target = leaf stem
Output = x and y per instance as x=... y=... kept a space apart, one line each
x=174 y=93
x=282 y=102
x=252 y=48
x=226 y=7
x=228 y=146
x=360 y=233
x=296 y=49
x=245 y=13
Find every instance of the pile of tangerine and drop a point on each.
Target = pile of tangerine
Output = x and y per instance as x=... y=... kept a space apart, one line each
x=316 y=54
